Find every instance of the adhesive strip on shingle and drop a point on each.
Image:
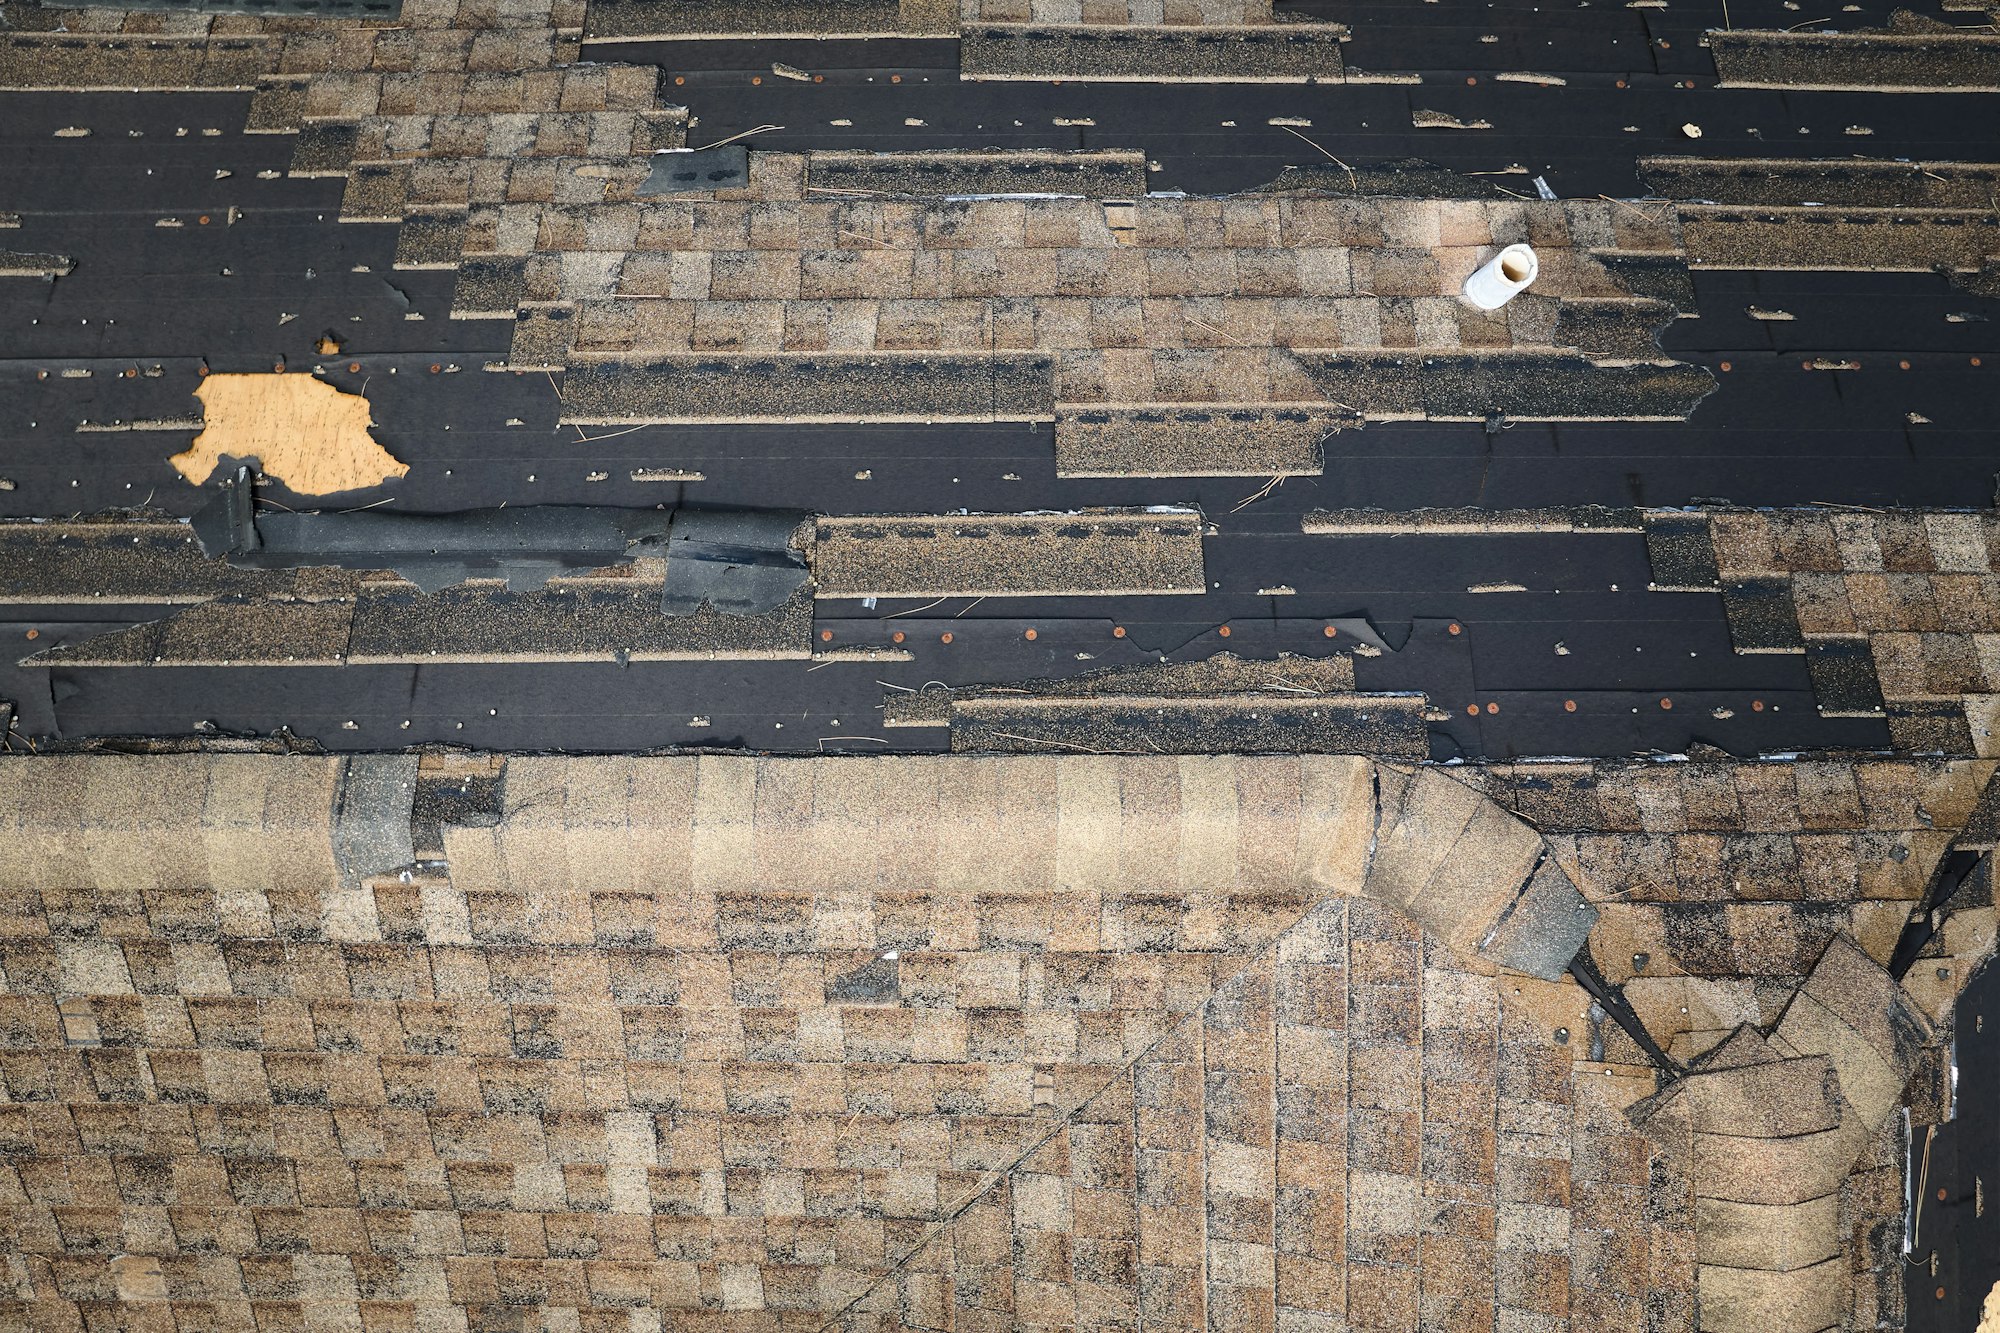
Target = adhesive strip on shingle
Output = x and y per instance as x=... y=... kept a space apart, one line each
x=79 y=63
x=231 y=632
x=1598 y=519
x=1525 y=386
x=1852 y=239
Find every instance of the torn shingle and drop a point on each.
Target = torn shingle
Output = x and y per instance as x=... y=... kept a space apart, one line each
x=1837 y=183
x=1283 y=53
x=1877 y=62
x=886 y=387
x=1772 y=237
x=1098 y=174
x=1219 y=439
x=1536 y=386
x=994 y=555
x=1141 y=724
x=637 y=19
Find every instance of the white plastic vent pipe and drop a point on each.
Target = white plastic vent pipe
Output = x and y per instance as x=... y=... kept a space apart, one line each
x=1502 y=277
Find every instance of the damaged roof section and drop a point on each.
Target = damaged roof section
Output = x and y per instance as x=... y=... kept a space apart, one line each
x=1277 y=317
x=1895 y=612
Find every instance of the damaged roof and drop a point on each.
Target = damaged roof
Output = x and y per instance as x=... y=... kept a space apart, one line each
x=874 y=666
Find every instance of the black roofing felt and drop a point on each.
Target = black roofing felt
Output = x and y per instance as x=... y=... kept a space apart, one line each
x=1957 y=1231
x=273 y=271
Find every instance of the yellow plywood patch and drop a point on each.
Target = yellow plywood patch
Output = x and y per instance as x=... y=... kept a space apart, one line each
x=301 y=430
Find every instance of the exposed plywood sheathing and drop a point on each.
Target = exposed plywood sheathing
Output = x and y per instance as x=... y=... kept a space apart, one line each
x=302 y=431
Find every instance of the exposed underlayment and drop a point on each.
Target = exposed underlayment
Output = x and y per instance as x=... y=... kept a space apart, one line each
x=299 y=429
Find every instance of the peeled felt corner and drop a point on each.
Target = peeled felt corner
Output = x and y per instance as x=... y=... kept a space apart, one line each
x=303 y=432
